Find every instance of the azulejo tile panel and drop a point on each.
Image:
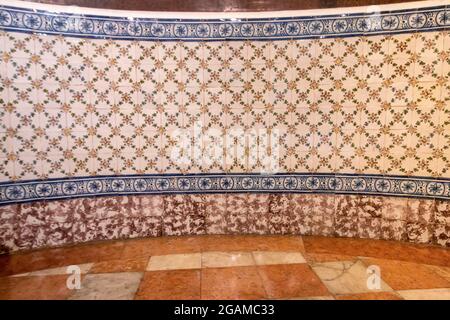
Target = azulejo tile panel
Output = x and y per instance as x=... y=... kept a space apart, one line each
x=319 y=113
x=88 y=25
x=374 y=103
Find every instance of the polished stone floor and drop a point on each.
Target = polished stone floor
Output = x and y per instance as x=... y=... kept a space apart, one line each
x=230 y=267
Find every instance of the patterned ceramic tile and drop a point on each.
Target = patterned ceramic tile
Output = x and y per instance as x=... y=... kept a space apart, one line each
x=116 y=112
x=371 y=107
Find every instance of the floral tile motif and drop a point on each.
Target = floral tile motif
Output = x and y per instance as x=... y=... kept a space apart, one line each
x=83 y=107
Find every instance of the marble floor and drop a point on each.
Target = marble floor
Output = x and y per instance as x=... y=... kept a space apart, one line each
x=230 y=267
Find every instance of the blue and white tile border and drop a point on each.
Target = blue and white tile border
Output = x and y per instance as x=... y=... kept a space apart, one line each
x=282 y=28
x=26 y=191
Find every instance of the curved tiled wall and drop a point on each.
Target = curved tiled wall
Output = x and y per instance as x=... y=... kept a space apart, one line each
x=123 y=124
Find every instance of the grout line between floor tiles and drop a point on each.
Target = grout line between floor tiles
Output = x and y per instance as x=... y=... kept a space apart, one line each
x=201 y=284
x=201 y=274
x=262 y=281
x=397 y=294
x=148 y=263
x=320 y=279
x=253 y=258
x=139 y=285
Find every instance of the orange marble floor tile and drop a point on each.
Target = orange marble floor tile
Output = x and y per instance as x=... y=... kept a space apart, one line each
x=378 y=249
x=400 y=275
x=232 y=283
x=108 y=250
x=251 y=243
x=170 y=285
x=370 y=296
x=174 y=245
x=227 y=243
x=139 y=248
x=58 y=257
x=29 y=261
x=280 y=243
x=327 y=257
x=34 y=288
x=119 y=265
x=293 y=280
x=191 y=244
x=161 y=246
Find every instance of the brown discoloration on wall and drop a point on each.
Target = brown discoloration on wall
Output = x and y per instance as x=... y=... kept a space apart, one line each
x=422 y=211
x=57 y=223
x=418 y=232
x=347 y=205
x=323 y=215
x=32 y=214
x=236 y=213
x=346 y=216
x=130 y=206
x=280 y=207
x=108 y=207
x=32 y=229
x=393 y=230
x=215 y=219
x=442 y=212
x=197 y=212
x=441 y=230
x=151 y=206
x=370 y=207
x=183 y=215
x=369 y=228
x=258 y=213
x=300 y=214
x=394 y=208
x=8 y=225
x=441 y=235
x=370 y=210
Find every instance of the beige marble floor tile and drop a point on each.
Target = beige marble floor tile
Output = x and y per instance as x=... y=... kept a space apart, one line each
x=345 y=277
x=401 y=275
x=427 y=294
x=277 y=257
x=108 y=286
x=175 y=262
x=227 y=259
x=84 y=268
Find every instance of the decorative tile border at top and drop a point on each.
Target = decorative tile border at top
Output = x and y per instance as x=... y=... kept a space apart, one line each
x=419 y=19
x=224 y=183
